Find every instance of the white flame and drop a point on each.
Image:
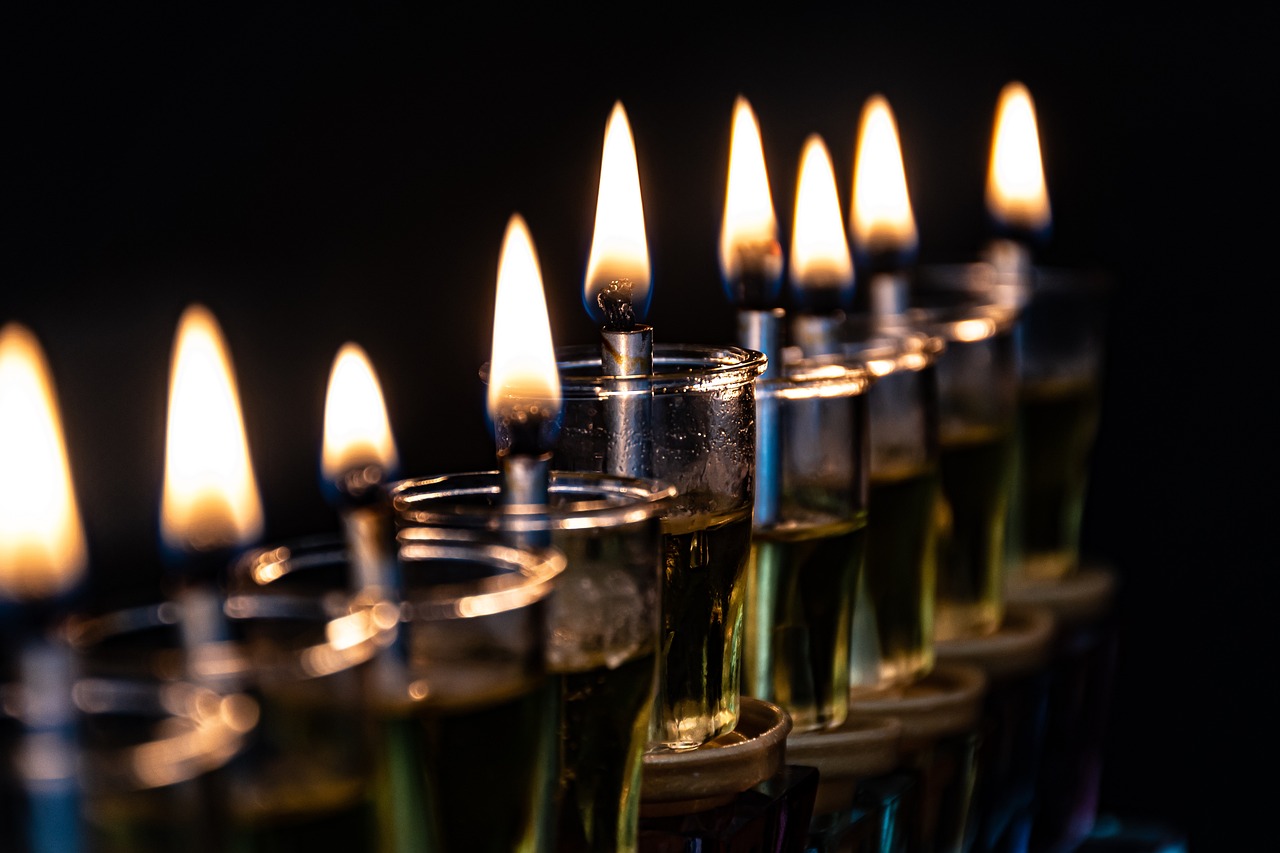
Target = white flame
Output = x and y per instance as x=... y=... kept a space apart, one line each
x=522 y=367
x=210 y=494
x=619 y=248
x=42 y=544
x=748 y=206
x=819 y=248
x=882 y=219
x=356 y=431
x=1016 y=193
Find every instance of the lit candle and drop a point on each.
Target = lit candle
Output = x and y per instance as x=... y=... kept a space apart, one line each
x=359 y=455
x=616 y=289
x=882 y=224
x=751 y=270
x=524 y=383
x=1017 y=200
x=210 y=506
x=43 y=560
x=821 y=268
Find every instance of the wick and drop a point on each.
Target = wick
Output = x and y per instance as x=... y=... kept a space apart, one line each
x=615 y=301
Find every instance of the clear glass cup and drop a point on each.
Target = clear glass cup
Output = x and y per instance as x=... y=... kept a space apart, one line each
x=444 y=694
x=805 y=561
x=977 y=417
x=893 y=620
x=1060 y=336
x=699 y=407
x=603 y=628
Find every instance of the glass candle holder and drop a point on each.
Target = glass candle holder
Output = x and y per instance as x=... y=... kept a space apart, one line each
x=1015 y=660
x=977 y=420
x=856 y=763
x=603 y=628
x=699 y=406
x=941 y=718
x=892 y=629
x=1081 y=678
x=450 y=706
x=737 y=792
x=805 y=561
x=1060 y=337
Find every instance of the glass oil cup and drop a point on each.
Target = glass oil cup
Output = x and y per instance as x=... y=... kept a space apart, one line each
x=977 y=411
x=603 y=630
x=696 y=416
x=805 y=561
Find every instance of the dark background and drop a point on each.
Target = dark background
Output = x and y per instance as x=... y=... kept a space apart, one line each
x=317 y=175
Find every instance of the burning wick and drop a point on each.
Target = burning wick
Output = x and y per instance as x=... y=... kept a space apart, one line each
x=751 y=269
x=618 y=276
x=882 y=223
x=359 y=456
x=43 y=560
x=210 y=507
x=821 y=267
x=524 y=383
x=1016 y=198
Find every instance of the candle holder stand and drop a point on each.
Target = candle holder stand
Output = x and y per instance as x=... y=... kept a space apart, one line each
x=602 y=637
x=1016 y=662
x=864 y=802
x=1081 y=674
x=941 y=717
x=735 y=792
x=699 y=407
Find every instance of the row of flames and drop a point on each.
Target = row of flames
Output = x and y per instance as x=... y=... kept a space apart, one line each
x=210 y=497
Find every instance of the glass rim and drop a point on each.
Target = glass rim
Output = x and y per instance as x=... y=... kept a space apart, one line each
x=883 y=345
x=202 y=729
x=679 y=368
x=526 y=577
x=815 y=377
x=602 y=501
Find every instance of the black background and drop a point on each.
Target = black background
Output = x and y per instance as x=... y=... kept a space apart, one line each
x=320 y=174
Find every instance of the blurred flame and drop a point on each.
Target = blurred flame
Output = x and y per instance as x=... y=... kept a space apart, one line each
x=748 y=206
x=210 y=494
x=523 y=363
x=619 y=248
x=819 y=248
x=42 y=544
x=356 y=431
x=1016 y=193
x=882 y=219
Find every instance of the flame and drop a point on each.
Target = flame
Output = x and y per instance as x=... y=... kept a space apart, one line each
x=749 y=220
x=42 y=544
x=356 y=431
x=1016 y=193
x=619 y=248
x=882 y=219
x=522 y=367
x=210 y=494
x=819 y=248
